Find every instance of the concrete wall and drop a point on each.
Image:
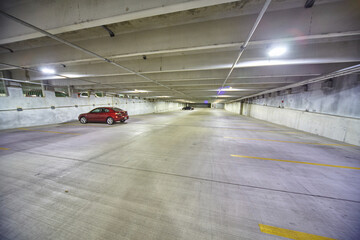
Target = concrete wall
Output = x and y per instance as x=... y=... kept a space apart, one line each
x=218 y=105
x=342 y=99
x=200 y=105
x=233 y=107
x=37 y=110
x=327 y=109
x=335 y=127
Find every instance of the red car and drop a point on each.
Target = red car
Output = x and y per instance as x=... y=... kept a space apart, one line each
x=104 y=114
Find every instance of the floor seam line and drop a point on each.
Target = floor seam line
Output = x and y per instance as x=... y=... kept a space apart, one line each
x=197 y=178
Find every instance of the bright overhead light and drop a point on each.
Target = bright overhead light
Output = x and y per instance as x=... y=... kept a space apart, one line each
x=47 y=70
x=140 y=91
x=277 y=51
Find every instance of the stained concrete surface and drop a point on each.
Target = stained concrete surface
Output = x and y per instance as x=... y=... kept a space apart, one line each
x=172 y=176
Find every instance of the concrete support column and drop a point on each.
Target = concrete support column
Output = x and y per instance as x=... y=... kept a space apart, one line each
x=4 y=84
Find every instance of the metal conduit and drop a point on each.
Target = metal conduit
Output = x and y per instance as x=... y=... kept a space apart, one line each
x=244 y=45
x=338 y=73
x=20 y=81
x=85 y=50
x=37 y=71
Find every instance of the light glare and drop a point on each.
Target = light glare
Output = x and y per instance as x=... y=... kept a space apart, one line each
x=140 y=91
x=47 y=70
x=277 y=51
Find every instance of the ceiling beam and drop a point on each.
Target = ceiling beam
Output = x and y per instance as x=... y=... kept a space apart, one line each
x=84 y=14
x=88 y=52
x=341 y=21
x=338 y=73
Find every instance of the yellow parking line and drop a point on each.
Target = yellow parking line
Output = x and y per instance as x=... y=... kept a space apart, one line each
x=269 y=140
x=291 y=161
x=1 y=148
x=25 y=129
x=291 y=234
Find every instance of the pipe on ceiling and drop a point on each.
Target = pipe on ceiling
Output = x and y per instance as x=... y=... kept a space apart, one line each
x=85 y=50
x=37 y=71
x=111 y=33
x=21 y=81
x=244 y=45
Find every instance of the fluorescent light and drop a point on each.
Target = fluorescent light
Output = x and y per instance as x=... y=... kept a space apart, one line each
x=140 y=91
x=227 y=89
x=224 y=96
x=47 y=70
x=70 y=75
x=277 y=51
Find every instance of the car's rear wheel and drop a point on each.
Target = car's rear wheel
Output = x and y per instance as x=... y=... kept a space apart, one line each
x=109 y=120
x=83 y=120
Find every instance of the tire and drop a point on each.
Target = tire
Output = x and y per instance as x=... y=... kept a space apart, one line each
x=122 y=121
x=110 y=121
x=83 y=120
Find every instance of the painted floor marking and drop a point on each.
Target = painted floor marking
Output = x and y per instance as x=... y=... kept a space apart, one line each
x=269 y=140
x=291 y=161
x=1 y=148
x=25 y=129
x=291 y=234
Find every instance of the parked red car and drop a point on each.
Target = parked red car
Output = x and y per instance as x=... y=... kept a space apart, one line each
x=104 y=114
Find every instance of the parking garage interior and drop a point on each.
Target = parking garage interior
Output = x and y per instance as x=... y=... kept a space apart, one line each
x=269 y=148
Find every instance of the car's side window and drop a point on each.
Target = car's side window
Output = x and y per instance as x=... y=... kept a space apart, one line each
x=106 y=110
x=97 y=110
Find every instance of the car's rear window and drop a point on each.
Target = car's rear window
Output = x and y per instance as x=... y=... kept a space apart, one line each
x=117 y=109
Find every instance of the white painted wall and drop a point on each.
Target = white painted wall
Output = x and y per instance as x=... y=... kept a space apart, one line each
x=37 y=110
x=233 y=107
x=342 y=99
x=339 y=128
x=218 y=105
x=332 y=112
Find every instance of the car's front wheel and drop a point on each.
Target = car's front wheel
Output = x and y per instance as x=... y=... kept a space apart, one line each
x=109 y=120
x=83 y=120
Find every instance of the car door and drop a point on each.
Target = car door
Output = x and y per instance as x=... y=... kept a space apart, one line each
x=104 y=115
x=94 y=115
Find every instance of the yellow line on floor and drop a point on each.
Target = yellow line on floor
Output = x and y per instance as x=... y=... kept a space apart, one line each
x=1 y=148
x=269 y=140
x=291 y=234
x=291 y=161
x=25 y=129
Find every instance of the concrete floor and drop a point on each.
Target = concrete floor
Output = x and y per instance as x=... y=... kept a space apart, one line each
x=172 y=176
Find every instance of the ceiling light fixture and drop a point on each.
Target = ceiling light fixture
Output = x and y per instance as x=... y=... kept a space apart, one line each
x=140 y=91
x=277 y=51
x=47 y=70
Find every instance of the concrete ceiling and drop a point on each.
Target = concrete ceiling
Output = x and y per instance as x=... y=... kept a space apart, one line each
x=189 y=46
